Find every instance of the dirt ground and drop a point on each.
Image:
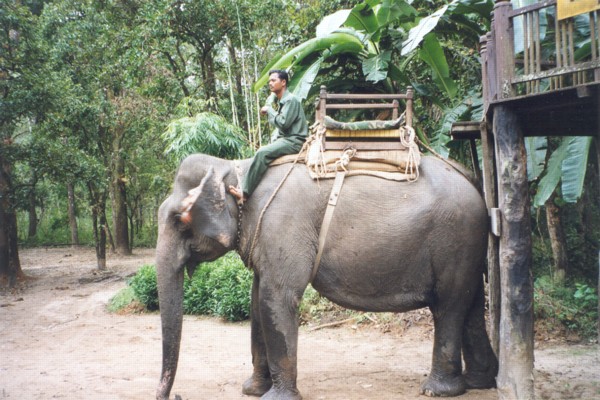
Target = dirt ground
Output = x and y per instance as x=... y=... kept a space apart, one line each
x=57 y=340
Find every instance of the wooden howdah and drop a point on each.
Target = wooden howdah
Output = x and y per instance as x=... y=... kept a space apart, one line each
x=371 y=140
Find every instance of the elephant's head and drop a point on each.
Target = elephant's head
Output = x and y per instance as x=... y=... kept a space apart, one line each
x=196 y=223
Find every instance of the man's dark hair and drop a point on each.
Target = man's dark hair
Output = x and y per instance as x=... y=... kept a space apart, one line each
x=281 y=74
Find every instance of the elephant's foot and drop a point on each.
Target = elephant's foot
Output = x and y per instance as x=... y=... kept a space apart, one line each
x=480 y=380
x=282 y=394
x=257 y=385
x=444 y=386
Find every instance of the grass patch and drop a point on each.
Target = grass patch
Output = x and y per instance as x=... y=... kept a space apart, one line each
x=125 y=302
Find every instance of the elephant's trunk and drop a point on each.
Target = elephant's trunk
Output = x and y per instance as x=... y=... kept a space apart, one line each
x=170 y=295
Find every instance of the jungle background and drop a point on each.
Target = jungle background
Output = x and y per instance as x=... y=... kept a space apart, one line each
x=100 y=101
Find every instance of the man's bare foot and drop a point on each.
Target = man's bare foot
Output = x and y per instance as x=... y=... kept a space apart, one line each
x=238 y=194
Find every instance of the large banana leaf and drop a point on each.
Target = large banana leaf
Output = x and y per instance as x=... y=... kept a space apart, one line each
x=332 y=22
x=418 y=33
x=363 y=18
x=536 y=147
x=568 y=162
x=574 y=167
x=341 y=41
x=304 y=78
x=432 y=53
x=375 y=68
x=457 y=11
x=390 y=11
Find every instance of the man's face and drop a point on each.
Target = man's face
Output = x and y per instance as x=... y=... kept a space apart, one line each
x=276 y=85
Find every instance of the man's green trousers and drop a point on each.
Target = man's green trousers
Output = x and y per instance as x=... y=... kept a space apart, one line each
x=265 y=155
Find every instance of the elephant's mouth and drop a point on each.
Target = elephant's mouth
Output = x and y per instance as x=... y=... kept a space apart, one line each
x=206 y=250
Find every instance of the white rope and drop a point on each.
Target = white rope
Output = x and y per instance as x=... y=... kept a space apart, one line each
x=407 y=139
x=321 y=166
x=345 y=159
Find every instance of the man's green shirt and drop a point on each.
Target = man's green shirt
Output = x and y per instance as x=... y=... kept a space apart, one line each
x=287 y=116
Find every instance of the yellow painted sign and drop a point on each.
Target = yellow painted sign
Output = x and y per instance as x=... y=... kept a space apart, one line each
x=570 y=8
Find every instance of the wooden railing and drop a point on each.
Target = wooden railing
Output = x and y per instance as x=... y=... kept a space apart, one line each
x=530 y=51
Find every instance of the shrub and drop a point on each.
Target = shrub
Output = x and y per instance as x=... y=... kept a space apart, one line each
x=145 y=287
x=196 y=293
x=220 y=288
x=572 y=307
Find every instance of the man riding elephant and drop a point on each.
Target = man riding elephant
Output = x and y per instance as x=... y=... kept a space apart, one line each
x=285 y=113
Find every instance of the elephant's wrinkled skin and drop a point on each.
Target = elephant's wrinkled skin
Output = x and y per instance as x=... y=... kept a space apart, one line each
x=391 y=247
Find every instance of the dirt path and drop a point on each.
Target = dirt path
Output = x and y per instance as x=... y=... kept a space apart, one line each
x=58 y=341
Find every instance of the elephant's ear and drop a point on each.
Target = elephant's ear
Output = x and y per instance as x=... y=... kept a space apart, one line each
x=205 y=210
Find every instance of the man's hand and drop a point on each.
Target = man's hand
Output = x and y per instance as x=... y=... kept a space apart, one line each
x=264 y=110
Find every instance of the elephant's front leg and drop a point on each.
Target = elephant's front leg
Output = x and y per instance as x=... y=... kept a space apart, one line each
x=260 y=382
x=278 y=306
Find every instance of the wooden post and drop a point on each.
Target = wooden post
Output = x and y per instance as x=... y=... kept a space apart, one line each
x=321 y=107
x=409 y=106
x=597 y=140
x=491 y=199
x=503 y=48
x=493 y=266
x=515 y=377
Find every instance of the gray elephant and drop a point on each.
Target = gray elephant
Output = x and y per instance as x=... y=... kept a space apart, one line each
x=392 y=246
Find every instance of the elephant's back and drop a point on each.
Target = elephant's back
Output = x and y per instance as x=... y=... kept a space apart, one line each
x=442 y=198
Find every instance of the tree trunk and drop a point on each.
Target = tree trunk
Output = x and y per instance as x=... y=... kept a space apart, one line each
x=101 y=244
x=557 y=240
x=208 y=74
x=597 y=140
x=10 y=265
x=119 y=200
x=31 y=232
x=72 y=215
x=515 y=378
x=98 y=204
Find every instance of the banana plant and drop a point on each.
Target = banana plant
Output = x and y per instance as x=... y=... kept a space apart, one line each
x=566 y=166
x=381 y=36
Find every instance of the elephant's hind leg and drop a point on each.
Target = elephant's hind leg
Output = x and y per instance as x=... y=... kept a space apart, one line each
x=446 y=377
x=260 y=382
x=481 y=364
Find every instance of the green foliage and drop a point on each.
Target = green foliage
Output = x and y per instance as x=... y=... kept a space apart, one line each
x=145 y=287
x=573 y=307
x=586 y=296
x=197 y=294
x=220 y=288
x=53 y=229
x=204 y=133
x=567 y=164
x=230 y=284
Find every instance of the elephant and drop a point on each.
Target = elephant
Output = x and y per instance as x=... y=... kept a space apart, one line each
x=391 y=247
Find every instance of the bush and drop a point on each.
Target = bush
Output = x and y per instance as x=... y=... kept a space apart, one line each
x=145 y=287
x=196 y=294
x=230 y=286
x=220 y=288
x=573 y=307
